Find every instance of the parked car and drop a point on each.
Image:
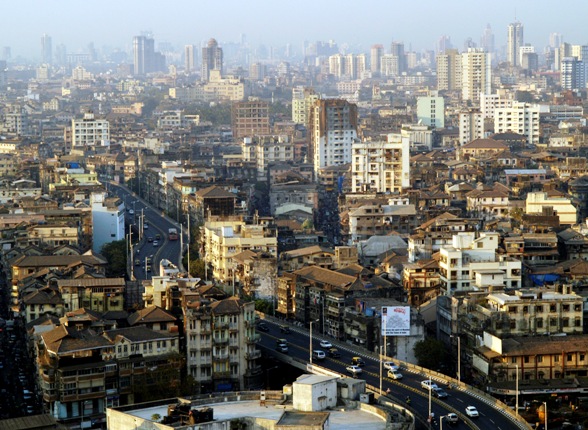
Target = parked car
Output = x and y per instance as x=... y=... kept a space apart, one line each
x=334 y=352
x=326 y=344
x=471 y=412
x=390 y=365
x=354 y=370
x=358 y=361
x=452 y=418
x=317 y=354
x=394 y=374
x=440 y=393
x=427 y=384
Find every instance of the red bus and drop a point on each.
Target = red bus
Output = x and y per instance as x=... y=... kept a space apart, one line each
x=172 y=234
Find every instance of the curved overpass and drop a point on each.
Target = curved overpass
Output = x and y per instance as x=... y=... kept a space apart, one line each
x=494 y=415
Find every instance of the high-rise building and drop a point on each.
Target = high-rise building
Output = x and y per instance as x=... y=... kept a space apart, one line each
x=146 y=60
x=487 y=40
x=90 y=131
x=444 y=44
x=555 y=40
x=250 y=118
x=376 y=54
x=471 y=126
x=332 y=129
x=302 y=100
x=397 y=50
x=382 y=167
x=6 y=53
x=449 y=70
x=514 y=42
x=572 y=74
x=431 y=110
x=520 y=118
x=189 y=58
x=212 y=59
x=475 y=74
x=46 y=49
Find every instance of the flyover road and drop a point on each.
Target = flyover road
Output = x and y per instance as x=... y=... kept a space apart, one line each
x=410 y=385
x=158 y=224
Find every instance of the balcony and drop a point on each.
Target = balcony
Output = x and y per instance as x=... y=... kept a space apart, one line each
x=221 y=341
x=253 y=355
x=221 y=374
x=220 y=356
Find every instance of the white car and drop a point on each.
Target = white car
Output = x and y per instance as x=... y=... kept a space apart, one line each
x=326 y=344
x=354 y=370
x=318 y=354
x=394 y=374
x=428 y=384
x=390 y=365
x=471 y=412
x=452 y=418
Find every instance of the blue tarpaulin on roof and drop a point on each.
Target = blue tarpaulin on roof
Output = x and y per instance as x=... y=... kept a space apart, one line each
x=541 y=280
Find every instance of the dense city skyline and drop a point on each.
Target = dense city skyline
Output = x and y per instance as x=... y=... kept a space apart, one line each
x=76 y=24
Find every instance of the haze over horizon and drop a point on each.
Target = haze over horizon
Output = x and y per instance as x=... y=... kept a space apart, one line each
x=418 y=25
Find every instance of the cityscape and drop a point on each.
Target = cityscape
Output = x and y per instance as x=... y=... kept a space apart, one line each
x=262 y=222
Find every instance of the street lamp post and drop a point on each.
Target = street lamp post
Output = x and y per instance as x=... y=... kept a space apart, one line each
x=310 y=338
x=430 y=393
x=545 y=413
x=441 y=421
x=517 y=390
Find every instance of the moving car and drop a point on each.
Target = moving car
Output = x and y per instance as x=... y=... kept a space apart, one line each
x=317 y=354
x=285 y=329
x=439 y=393
x=452 y=418
x=334 y=352
x=471 y=412
x=354 y=370
x=394 y=374
x=390 y=365
x=284 y=341
x=137 y=262
x=262 y=327
x=155 y=243
x=145 y=226
x=158 y=237
x=428 y=384
x=326 y=344
x=357 y=361
x=149 y=239
x=282 y=347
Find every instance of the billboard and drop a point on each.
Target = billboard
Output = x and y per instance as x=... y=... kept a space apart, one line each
x=395 y=320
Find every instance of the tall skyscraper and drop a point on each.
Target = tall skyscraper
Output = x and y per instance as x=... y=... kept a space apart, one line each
x=443 y=44
x=514 y=42
x=212 y=59
x=397 y=50
x=449 y=70
x=189 y=59
x=145 y=59
x=487 y=40
x=332 y=129
x=475 y=74
x=555 y=40
x=572 y=74
x=376 y=54
x=46 y=49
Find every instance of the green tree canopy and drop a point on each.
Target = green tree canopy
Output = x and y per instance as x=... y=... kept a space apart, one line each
x=430 y=353
x=116 y=255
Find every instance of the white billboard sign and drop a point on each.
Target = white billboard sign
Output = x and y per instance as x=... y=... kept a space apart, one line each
x=395 y=320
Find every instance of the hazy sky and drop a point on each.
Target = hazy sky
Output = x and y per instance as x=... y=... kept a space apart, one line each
x=419 y=24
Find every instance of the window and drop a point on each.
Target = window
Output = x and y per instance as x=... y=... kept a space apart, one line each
x=539 y=359
x=569 y=357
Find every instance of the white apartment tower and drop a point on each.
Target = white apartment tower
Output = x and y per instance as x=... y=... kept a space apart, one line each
x=189 y=58
x=449 y=70
x=89 y=131
x=332 y=129
x=471 y=126
x=108 y=220
x=382 y=166
x=475 y=74
x=514 y=43
x=521 y=118
x=302 y=100
x=572 y=74
x=431 y=110
x=376 y=54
